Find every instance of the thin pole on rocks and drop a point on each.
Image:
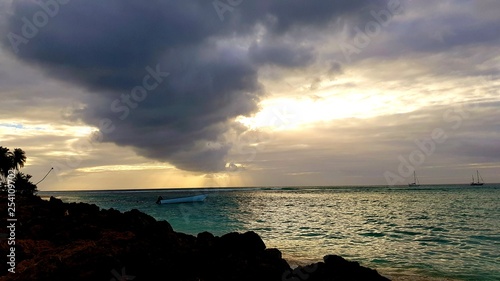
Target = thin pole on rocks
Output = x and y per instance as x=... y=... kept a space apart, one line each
x=45 y=176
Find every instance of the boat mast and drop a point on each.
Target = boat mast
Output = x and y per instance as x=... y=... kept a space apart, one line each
x=477 y=171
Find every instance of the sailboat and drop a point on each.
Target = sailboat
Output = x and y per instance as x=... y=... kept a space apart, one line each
x=477 y=182
x=415 y=182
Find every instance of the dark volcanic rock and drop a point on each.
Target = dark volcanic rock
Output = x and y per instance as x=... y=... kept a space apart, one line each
x=77 y=241
x=245 y=244
x=334 y=268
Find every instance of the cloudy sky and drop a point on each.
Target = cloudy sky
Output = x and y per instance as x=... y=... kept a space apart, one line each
x=127 y=94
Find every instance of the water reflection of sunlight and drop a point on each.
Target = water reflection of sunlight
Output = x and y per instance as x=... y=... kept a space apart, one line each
x=281 y=218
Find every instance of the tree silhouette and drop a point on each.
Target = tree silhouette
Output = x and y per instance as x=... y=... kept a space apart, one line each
x=5 y=162
x=15 y=161
x=18 y=158
x=24 y=186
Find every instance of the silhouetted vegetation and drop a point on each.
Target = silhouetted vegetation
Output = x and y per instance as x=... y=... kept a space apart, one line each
x=10 y=164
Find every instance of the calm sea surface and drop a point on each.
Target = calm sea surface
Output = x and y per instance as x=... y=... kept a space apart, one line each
x=438 y=231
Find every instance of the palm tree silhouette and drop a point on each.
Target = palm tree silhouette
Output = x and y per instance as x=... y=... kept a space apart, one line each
x=18 y=158
x=5 y=162
x=15 y=160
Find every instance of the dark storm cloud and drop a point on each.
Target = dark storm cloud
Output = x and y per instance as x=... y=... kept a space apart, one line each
x=281 y=54
x=110 y=47
x=449 y=32
x=452 y=29
x=280 y=16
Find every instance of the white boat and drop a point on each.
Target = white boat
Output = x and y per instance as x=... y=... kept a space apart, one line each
x=415 y=182
x=187 y=199
x=477 y=182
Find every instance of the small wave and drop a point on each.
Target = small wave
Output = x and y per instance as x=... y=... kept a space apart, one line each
x=310 y=234
x=289 y=188
x=484 y=237
x=282 y=188
x=372 y=234
x=266 y=229
x=439 y=229
x=422 y=217
x=433 y=239
x=380 y=261
x=406 y=232
x=332 y=236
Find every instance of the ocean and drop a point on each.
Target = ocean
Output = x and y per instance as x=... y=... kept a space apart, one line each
x=438 y=231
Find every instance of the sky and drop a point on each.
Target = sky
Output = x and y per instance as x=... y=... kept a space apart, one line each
x=123 y=94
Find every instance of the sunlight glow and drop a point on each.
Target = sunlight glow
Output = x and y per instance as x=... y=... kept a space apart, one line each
x=354 y=97
x=225 y=179
x=114 y=168
x=292 y=113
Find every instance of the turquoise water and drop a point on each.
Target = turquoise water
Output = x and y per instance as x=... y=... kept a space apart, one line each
x=438 y=231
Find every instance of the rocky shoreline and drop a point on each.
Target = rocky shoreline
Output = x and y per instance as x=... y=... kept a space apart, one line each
x=78 y=241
